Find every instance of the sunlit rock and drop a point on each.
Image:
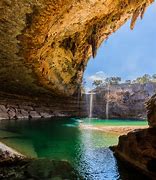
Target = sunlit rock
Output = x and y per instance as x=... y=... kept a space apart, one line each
x=138 y=148
x=122 y=100
x=45 y=44
x=151 y=111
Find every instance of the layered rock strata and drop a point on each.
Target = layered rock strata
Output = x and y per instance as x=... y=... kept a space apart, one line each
x=23 y=107
x=151 y=111
x=138 y=148
x=122 y=100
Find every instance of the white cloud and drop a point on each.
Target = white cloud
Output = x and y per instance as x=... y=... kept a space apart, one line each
x=87 y=89
x=100 y=75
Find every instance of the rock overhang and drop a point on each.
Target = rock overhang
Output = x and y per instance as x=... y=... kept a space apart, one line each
x=45 y=45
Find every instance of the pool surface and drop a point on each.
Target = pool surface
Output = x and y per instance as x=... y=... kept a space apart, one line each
x=64 y=139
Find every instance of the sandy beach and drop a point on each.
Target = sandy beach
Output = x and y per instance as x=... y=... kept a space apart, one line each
x=120 y=130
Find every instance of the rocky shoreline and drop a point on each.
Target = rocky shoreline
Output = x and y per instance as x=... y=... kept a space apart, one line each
x=119 y=130
x=24 y=107
x=11 y=152
x=138 y=148
x=27 y=111
x=15 y=166
x=126 y=101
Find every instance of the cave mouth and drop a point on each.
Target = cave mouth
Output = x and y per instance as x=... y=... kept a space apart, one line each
x=79 y=128
x=44 y=59
x=120 y=76
x=126 y=54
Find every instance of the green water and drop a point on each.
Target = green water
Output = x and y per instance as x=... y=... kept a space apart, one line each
x=64 y=139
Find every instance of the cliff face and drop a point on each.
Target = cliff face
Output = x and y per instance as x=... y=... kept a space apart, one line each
x=23 y=107
x=151 y=111
x=123 y=100
x=45 y=44
x=138 y=148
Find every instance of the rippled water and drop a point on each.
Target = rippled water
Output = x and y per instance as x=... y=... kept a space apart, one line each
x=64 y=139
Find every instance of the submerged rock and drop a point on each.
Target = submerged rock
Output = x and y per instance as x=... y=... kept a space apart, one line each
x=47 y=169
x=17 y=168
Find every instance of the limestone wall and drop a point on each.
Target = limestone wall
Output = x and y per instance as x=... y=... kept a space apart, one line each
x=124 y=101
x=45 y=44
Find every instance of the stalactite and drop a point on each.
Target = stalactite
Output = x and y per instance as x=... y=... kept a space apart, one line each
x=93 y=40
x=143 y=9
x=94 y=45
x=134 y=18
x=151 y=1
x=140 y=11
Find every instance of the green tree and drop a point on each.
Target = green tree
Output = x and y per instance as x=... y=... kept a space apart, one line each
x=97 y=83
x=154 y=77
x=144 y=79
x=113 y=80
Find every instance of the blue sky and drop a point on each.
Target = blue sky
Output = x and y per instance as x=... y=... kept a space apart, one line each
x=128 y=54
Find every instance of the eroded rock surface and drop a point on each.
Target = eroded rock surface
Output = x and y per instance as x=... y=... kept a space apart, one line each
x=45 y=44
x=151 y=111
x=13 y=168
x=138 y=148
x=123 y=100
x=23 y=107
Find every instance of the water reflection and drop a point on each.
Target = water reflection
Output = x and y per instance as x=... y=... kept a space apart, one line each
x=63 y=139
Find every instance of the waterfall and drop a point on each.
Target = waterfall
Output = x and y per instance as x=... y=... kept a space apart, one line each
x=107 y=101
x=91 y=105
x=89 y=100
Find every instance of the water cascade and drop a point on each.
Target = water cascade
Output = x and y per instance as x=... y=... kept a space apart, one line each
x=91 y=105
x=89 y=100
x=107 y=101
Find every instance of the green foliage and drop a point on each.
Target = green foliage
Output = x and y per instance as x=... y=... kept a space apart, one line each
x=109 y=80
x=154 y=77
x=113 y=80
x=144 y=79
x=97 y=83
